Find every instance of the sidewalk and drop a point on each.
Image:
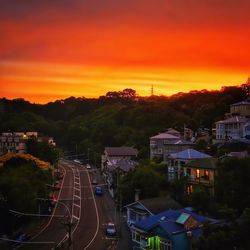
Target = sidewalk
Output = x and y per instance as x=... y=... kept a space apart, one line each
x=124 y=242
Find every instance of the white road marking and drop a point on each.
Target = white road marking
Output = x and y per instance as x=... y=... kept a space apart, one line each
x=53 y=210
x=78 y=218
x=76 y=205
x=79 y=197
x=73 y=216
x=97 y=217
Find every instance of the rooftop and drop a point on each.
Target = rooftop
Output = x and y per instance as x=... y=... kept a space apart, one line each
x=189 y=154
x=165 y=136
x=172 y=221
x=178 y=142
x=246 y=102
x=235 y=119
x=121 y=151
x=155 y=205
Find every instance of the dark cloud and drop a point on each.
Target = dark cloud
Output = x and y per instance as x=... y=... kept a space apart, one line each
x=142 y=11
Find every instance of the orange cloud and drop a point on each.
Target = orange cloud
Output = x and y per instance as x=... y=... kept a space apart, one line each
x=54 y=49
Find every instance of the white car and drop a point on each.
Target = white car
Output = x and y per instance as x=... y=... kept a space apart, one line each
x=77 y=161
x=88 y=166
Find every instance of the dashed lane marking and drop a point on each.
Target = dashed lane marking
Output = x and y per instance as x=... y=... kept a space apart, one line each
x=77 y=218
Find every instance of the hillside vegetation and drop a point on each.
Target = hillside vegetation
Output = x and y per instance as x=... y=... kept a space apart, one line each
x=118 y=118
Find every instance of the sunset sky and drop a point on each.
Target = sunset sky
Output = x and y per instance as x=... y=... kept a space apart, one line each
x=53 y=49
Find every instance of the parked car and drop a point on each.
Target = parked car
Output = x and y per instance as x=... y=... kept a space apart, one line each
x=98 y=191
x=57 y=185
x=77 y=161
x=110 y=229
x=20 y=238
x=88 y=166
x=94 y=181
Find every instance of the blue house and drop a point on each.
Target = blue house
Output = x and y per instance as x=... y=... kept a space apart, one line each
x=169 y=230
x=176 y=161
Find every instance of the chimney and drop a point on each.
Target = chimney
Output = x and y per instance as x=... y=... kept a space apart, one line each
x=137 y=194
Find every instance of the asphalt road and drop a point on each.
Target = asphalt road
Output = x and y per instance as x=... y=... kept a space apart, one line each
x=88 y=214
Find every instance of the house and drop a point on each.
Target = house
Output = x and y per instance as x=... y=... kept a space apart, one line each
x=117 y=153
x=15 y=142
x=169 y=230
x=234 y=127
x=176 y=161
x=235 y=145
x=201 y=172
x=163 y=144
x=241 y=108
x=117 y=161
x=142 y=209
x=239 y=154
x=118 y=167
x=174 y=132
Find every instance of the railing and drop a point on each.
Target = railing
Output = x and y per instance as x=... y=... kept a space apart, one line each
x=200 y=180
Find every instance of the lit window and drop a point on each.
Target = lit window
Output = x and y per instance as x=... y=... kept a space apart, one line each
x=197 y=173
x=190 y=189
x=206 y=175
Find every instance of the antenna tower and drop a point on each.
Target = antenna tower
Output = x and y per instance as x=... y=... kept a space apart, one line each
x=152 y=90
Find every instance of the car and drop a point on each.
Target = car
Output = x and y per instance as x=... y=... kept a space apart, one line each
x=98 y=191
x=94 y=181
x=57 y=186
x=88 y=166
x=77 y=161
x=20 y=238
x=110 y=229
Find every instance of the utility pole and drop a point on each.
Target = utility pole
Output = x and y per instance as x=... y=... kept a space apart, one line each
x=68 y=224
x=88 y=154
x=118 y=198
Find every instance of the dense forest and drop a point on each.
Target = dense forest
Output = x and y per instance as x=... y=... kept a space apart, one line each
x=118 y=118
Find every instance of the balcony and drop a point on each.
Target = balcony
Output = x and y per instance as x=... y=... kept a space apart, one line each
x=202 y=180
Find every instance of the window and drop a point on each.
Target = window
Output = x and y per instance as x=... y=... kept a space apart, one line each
x=197 y=173
x=182 y=163
x=190 y=189
x=136 y=236
x=206 y=175
x=159 y=151
x=188 y=171
x=132 y=215
x=165 y=244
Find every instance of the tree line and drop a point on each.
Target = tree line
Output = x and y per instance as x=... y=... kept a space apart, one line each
x=118 y=118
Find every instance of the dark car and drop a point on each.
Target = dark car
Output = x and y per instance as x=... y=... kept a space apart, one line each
x=110 y=229
x=98 y=191
x=20 y=238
